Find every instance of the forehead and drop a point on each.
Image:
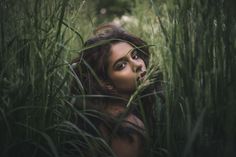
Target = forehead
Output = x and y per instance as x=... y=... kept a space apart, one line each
x=119 y=50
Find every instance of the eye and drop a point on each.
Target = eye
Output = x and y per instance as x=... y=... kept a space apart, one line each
x=135 y=55
x=120 y=65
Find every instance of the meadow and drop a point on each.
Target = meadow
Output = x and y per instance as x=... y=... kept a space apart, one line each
x=194 y=46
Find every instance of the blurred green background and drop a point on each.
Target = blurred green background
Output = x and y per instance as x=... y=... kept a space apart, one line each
x=194 y=46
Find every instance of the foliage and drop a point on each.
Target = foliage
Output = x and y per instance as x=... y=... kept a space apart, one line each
x=193 y=42
x=198 y=61
x=35 y=50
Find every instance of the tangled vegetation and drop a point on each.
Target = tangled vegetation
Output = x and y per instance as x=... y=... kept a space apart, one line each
x=194 y=44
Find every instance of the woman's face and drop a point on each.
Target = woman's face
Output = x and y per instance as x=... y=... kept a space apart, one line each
x=125 y=68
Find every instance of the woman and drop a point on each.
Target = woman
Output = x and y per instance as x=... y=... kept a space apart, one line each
x=109 y=71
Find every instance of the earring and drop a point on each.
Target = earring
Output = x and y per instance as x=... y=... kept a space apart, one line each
x=108 y=86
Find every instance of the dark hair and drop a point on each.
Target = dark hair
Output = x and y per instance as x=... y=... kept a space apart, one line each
x=91 y=78
x=91 y=65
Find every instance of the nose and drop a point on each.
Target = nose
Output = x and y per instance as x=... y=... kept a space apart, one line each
x=137 y=66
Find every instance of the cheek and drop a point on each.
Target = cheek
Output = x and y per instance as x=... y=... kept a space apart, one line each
x=124 y=80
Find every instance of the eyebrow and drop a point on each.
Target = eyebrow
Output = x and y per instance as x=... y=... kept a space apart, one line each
x=122 y=58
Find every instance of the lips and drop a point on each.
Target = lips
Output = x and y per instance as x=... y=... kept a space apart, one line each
x=141 y=76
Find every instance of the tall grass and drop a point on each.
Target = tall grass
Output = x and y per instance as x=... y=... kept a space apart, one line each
x=194 y=47
x=196 y=51
x=36 y=46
